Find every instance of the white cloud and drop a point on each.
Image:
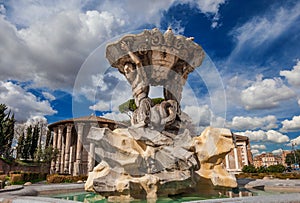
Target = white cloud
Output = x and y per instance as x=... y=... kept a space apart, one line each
x=277 y=151
x=202 y=117
x=264 y=94
x=261 y=30
x=291 y=125
x=296 y=140
x=254 y=151
x=209 y=7
x=100 y=106
x=299 y=102
x=117 y=116
x=24 y=104
x=276 y=136
x=257 y=146
x=2 y=9
x=252 y=123
x=293 y=76
x=48 y=96
x=270 y=135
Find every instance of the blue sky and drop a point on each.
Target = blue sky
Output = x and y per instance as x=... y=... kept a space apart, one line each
x=53 y=67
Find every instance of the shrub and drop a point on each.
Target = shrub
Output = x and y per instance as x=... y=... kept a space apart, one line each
x=249 y=169
x=276 y=168
x=55 y=178
x=16 y=179
x=3 y=177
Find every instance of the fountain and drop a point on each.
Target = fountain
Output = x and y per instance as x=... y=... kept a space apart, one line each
x=160 y=153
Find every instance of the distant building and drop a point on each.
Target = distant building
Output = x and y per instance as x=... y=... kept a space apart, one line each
x=76 y=155
x=268 y=159
x=240 y=155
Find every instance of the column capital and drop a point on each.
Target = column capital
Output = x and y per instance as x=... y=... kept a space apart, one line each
x=69 y=127
x=61 y=127
x=54 y=129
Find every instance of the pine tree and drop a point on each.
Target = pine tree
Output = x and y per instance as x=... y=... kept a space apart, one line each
x=20 y=146
x=48 y=138
x=27 y=144
x=34 y=140
x=7 y=124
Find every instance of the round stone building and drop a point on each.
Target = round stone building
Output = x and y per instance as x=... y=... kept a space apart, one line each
x=76 y=155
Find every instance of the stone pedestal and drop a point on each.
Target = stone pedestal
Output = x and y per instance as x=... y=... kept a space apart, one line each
x=144 y=163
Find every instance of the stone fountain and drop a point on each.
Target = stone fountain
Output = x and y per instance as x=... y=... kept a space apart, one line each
x=159 y=154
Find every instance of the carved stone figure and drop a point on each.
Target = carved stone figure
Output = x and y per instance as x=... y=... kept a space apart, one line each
x=153 y=58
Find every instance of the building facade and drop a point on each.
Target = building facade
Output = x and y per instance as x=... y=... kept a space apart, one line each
x=75 y=154
x=269 y=159
x=240 y=155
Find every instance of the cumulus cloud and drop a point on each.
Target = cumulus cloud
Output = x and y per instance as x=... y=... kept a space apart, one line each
x=296 y=141
x=257 y=146
x=202 y=116
x=100 y=106
x=270 y=135
x=277 y=151
x=252 y=123
x=291 y=125
x=48 y=96
x=117 y=116
x=293 y=75
x=299 y=102
x=254 y=151
x=265 y=93
x=24 y=104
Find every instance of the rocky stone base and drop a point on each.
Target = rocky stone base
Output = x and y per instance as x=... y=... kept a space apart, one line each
x=143 y=163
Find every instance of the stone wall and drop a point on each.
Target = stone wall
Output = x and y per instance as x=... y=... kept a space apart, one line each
x=38 y=168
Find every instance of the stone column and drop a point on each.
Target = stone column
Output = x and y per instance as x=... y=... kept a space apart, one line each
x=236 y=159
x=62 y=156
x=78 y=162
x=227 y=161
x=54 y=144
x=91 y=157
x=245 y=153
x=59 y=143
x=67 y=148
x=71 y=160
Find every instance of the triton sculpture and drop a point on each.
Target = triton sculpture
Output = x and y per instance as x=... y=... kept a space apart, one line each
x=159 y=154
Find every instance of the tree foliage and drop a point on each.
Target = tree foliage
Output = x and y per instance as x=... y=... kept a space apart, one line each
x=292 y=158
x=7 y=123
x=34 y=140
x=249 y=169
x=27 y=144
x=131 y=106
x=276 y=168
x=20 y=147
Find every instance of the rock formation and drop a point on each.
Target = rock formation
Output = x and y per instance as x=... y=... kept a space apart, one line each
x=159 y=154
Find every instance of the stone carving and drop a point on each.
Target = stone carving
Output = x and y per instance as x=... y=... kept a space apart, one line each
x=153 y=58
x=159 y=154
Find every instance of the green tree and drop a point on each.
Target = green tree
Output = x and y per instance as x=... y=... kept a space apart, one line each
x=293 y=157
x=130 y=105
x=27 y=144
x=276 y=168
x=20 y=147
x=48 y=138
x=7 y=123
x=262 y=169
x=249 y=169
x=34 y=140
